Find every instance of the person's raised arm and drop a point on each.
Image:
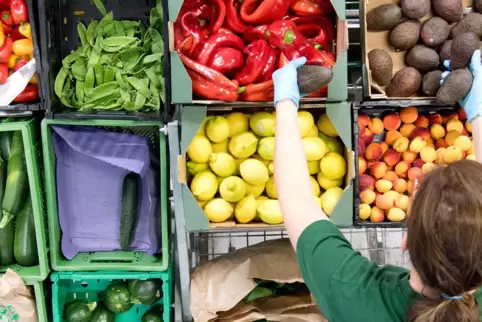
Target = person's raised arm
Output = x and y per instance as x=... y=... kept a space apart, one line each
x=291 y=174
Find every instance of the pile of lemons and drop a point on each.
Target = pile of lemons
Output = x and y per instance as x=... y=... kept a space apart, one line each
x=231 y=163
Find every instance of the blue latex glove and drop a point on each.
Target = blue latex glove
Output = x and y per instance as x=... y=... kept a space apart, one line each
x=472 y=103
x=285 y=82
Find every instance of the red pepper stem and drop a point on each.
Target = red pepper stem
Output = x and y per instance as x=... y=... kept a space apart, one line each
x=289 y=37
x=241 y=89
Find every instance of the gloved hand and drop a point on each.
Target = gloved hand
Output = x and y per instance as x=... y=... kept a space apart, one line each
x=472 y=103
x=285 y=82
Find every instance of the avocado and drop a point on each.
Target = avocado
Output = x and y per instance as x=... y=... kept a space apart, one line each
x=405 y=83
x=445 y=50
x=434 y=32
x=462 y=48
x=449 y=10
x=477 y=5
x=455 y=87
x=423 y=58
x=415 y=9
x=431 y=82
x=472 y=22
x=312 y=77
x=381 y=66
x=405 y=35
x=383 y=17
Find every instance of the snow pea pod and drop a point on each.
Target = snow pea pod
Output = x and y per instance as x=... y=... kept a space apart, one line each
x=129 y=24
x=79 y=91
x=91 y=31
x=99 y=75
x=105 y=20
x=95 y=54
x=140 y=101
x=89 y=81
x=109 y=74
x=119 y=41
x=102 y=91
x=140 y=86
x=67 y=61
x=152 y=76
x=66 y=97
x=149 y=59
x=60 y=81
x=79 y=69
x=100 y=6
x=106 y=58
x=156 y=102
x=82 y=31
x=120 y=80
x=130 y=32
x=120 y=30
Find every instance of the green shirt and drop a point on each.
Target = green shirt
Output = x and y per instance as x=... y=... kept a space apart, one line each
x=346 y=285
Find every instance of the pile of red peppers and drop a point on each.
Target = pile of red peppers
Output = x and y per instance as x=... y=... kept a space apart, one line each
x=231 y=48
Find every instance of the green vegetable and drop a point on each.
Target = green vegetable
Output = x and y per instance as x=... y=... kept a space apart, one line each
x=79 y=311
x=153 y=315
x=16 y=188
x=269 y=288
x=6 y=233
x=145 y=292
x=5 y=146
x=129 y=215
x=25 y=245
x=117 y=297
x=102 y=314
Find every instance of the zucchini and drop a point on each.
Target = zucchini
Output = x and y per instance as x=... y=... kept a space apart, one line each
x=7 y=232
x=129 y=213
x=153 y=315
x=79 y=311
x=25 y=243
x=117 y=297
x=16 y=188
x=145 y=292
x=5 y=144
x=102 y=314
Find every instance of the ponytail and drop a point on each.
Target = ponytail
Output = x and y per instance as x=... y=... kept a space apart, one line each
x=445 y=310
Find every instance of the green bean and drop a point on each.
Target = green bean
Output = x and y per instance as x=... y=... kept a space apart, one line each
x=140 y=86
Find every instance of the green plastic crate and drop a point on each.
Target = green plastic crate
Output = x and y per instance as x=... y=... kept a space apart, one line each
x=67 y=287
x=40 y=300
x=32 y=147
x=115 y=260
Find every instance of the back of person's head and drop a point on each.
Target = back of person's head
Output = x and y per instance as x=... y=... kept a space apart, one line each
x=445 y=242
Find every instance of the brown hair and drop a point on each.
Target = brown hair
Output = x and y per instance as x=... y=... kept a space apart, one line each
x=445 y=241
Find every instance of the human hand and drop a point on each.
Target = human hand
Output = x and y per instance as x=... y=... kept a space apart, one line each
x=472 y=103
x=285 y=82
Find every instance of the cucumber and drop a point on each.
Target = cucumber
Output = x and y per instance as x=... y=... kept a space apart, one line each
x=102 y=314
x=129 y=214
x=25 y=243
x=7 y=232
x=312 y=77
x=153 y=315
x=117 y=297
x=79 y=311
x=145 y=292
x=5 y=144
x=16 y=188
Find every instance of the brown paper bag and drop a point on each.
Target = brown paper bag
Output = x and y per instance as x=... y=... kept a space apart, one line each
x=16 y=300
x=219 y=286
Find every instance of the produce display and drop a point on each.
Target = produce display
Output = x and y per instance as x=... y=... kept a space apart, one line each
x=420 y=37
x=119 y=297
x=231 y=163
x=16 y=46
x=118 y=65
x=18 y=244
x=231 y=48
x=397 y=149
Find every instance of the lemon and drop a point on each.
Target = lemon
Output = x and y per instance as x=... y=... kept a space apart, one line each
x=315 y=187
x=318 y=201
x=202 y=129
x=217 y=129
x=260 y=198
x=220 y=147
x=193 y=167
x=254 y=190
x=269 y=212
x=219 y=179
x=238 y=123
x=313 y=131
x=200 y=149
x=271 y=188
x=232 y=189
x=314 y=148
x=305 y=122
x=222 y=164
x=326 y=183
x=330 y=198
x=263 y=124
x=266 y=148
x=332 y=144
x=333 y=166
x=325 y=126
x=202 y=203
x=254 y=172
x=243 y=145
x=271 y=167
x=218 y=210
x=204 y=185
x=313 y=167
x=258 y=157
x=245 y=210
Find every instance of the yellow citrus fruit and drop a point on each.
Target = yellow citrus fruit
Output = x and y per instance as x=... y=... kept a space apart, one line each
x=325 y=126
x=204 y=185
x=254 y=172
x=263 y=124
x=232 y=189
x=245 y=210
x=305 y=122
x=217 y=129
x=200 y=149
x=243 y=145
x=333 y=166
x=238 y=123
x=266 y=148
x=218 y=210
x=330 y=199
x=222 y=164
x=314 y=148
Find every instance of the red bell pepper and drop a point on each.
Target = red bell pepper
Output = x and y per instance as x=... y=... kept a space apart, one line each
x=19 y=11
x=29 y=94
x=204 y=88
x=3 y=73
x=282 y=60
x=233 y=19
x=218 y=14
x=270 y=64
x=20 y=63
x=189 y=28
x=7 y=30
x=257 y=55
x=261 y=92
x=226 y=60
x=312 y=7
x=215 y=41
x=4 y=4
x=322 y=92
x=6 y=17
x=326 y=24
x=285 y=35
x=263 y=11
x=6 y=50
x=15 y=34
x=255 y=33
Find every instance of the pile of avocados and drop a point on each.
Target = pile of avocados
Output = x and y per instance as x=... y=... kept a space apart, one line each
x=447 y=35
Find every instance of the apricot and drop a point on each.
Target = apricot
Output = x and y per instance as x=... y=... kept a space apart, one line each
x=418 y=163
x=401 y=144
x=427 y=167
x=421 y=132
x=365 y=211
x=361 y=146
x=407 y=129
x=409 y=114
x=401 y=168
x=362 y=165
x=378 y=170
x=410 y=186
x=377 y=215
x=468 y=126
x=375 y=125
x=366 y=135
x=400 y=185
x=392 y=121
x=363 y=120
x=384 y=146
x=415 y=173
x=383 y=185
x=465 y=132
x=461 y=114
x=435 y=119
x=396 y=215
x=437 y=131
x=428 y=154
x=417 y=144
x=450 y=116
x=455 y=125
x=390 y=176
x=391 y=136
x=392 y=194
x=409 y=156
x=383 y=202
x=366 y=182
x=391 y=157
x=368 y=196
x=451 y=136
x=463 y=142
x=440 y=155
x=471 y=150
x=441 y=143
x=471 y=157
x=421 y=121
x=373 y=152
x=452 y=154
x=402 y=202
